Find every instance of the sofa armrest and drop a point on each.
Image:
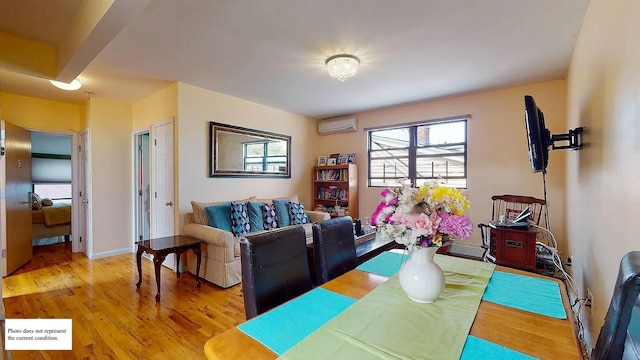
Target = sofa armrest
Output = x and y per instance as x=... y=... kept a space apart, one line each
x=317 y=216
x=214 y=236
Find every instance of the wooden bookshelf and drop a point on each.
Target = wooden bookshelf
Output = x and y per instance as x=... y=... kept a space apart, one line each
x=336 y=184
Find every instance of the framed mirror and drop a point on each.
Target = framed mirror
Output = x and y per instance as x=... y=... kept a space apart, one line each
x=238 y=151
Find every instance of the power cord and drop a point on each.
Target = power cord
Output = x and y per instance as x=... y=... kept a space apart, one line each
x=570 y=285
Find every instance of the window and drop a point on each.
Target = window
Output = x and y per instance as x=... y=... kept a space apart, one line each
x=420 y=152
x=265 y=156
x=58 y=193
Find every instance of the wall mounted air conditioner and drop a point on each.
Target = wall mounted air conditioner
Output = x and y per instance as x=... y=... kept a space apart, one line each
x=338 y=125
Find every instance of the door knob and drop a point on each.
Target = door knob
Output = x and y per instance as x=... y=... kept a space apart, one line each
x=168 y=203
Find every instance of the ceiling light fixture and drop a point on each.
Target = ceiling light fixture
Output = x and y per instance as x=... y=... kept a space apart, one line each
x=342 y=66
x=74 y=85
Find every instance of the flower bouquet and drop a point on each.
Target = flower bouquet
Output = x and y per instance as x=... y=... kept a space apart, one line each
x=423 y=219
x=426 y=216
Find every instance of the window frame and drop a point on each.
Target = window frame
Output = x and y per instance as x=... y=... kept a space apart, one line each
x=265 y=157
x=413 y=150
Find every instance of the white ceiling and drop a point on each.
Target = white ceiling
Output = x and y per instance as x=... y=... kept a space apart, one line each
x=273 y=52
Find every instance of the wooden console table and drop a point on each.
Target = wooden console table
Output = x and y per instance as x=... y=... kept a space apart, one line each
x=160 y=248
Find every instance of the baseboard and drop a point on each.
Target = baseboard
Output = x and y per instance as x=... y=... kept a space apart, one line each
x=466 y=250
x=111 y=253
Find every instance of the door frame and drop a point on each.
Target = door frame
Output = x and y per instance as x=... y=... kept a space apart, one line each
x=75 y=173
x=134 y=185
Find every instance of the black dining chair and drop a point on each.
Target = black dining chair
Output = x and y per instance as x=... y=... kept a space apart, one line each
x=334 y=248
x=616 y=339
x=275 y=269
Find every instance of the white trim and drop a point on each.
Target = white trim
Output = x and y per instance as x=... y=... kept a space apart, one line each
x=134 y=156
x=467 y=250
x=88 y=191
x=111 y=253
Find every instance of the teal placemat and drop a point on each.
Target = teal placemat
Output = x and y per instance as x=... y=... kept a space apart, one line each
x=479 y=349
x=387 y=263
x=526 y=293
x=284 y=326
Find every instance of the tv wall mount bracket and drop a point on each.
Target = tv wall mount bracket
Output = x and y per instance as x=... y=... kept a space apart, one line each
x=573 y=137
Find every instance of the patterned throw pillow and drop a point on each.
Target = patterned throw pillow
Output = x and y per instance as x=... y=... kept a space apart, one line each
x=297 y=213
x=239 y=219
x=269 y=216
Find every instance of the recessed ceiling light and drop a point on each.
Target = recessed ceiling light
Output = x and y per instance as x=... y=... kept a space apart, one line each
x=74 y=85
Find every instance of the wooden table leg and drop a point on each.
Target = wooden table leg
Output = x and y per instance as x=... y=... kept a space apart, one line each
x=178 y=264
x=139 y=262
x=157 y=263
x=198 y=252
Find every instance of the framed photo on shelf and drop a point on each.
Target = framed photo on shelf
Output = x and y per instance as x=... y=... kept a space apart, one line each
x=322 y=160
x=334 y=156
x=343 y=160
x=351 y=158
x=339 y=160
x=331 y=161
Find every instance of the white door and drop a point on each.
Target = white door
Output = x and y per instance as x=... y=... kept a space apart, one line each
x=163 y=215
x=83 y=195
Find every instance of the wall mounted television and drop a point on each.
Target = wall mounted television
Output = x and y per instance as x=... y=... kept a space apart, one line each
x=539 y=138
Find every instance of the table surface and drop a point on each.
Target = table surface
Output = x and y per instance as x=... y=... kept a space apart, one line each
x=168 y=242
x=536 y=335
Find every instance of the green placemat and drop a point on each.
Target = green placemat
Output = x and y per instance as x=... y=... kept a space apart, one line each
x=385 y=324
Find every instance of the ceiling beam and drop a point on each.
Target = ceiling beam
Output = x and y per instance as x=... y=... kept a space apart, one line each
x=26 y=56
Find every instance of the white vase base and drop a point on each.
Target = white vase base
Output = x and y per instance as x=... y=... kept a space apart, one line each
x=421 y=301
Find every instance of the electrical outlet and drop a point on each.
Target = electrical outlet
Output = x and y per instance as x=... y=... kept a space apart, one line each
x=569 y=260
x=589 y=302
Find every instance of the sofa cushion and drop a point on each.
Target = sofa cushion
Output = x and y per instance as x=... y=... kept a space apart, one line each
x=255 y=216
x=219 y=216
x=297 y=213
x=282 y=211
x=269 y=216
x=200 y=215
x=240 y=218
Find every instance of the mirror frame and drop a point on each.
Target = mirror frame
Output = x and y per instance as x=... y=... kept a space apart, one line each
x=214 y=127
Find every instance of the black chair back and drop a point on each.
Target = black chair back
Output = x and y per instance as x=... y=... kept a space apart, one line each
x=334 y=248
x=615 y=340
x=275 y=269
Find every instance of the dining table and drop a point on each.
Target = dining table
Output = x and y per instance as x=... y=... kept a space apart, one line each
x=514 y=326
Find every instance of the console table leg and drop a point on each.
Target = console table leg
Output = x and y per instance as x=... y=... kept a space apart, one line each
x=178 y=264
x=139 y=262
x=198 y=252
x=157 y=263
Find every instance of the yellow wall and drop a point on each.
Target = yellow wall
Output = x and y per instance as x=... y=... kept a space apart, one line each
x=197 y=107
x=498 y=160
x=602 y=194
x=159 y=106
x=110 y=194
x=34 y=113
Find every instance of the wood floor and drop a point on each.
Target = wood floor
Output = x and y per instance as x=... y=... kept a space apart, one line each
x=111 y=318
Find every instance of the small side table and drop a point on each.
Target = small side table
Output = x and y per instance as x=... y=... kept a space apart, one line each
x=161 y=247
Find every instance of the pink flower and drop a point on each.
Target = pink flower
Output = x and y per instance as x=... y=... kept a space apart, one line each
x=389 y=197
x=455 y=225
x=382 y=214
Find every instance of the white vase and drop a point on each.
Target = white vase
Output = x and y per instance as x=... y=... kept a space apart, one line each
x=420 y=277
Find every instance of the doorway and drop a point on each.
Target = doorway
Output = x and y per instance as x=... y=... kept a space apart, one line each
x=142 y=178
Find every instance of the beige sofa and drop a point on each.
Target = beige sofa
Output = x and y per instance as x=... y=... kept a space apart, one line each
x=221 y=251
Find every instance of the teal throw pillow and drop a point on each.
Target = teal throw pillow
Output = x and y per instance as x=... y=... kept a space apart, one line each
x=297 y=213
x=282 y=211
x=239 y=218
x=219 y=216
x=255 y=216
x=269 y=217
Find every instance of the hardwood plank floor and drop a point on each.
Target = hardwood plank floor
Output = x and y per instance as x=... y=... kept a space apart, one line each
x=111 y=318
